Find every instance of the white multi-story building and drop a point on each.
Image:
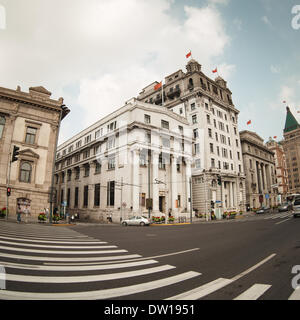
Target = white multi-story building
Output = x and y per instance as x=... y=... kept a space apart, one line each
x=139 y=152
x=218 y=173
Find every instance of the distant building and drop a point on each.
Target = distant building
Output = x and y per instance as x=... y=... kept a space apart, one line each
x=259 y=164
x=29 y=121
x=291 y=146
x=139 y=152
x=213 y=119
x=281 y=169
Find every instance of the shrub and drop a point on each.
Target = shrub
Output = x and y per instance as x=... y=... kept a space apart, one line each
x=42 y=217
x=3 y=212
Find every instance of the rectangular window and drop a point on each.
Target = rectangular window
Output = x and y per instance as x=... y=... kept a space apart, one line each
x=208 y=118
x=86 y=170
x=213 y=163
x=111 y=143
x=68 y=197
x=197 y=163
x=85 y=196
x=165 y=124
x=196 y=135
x=77 y=173
x=211 y=147
x=161 y=162
x=111 y=193
x=30 y=135
x=209 y=133
x=147 y=119
x=197 y=148
x=87 y=139
x=2 y=124
x=97 y=195
x=193 y=106
x=111 y=163
x=76 y=197
x=97 y=167
x=194 y=119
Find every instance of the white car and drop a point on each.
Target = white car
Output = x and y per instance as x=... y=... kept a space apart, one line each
x=136 y=221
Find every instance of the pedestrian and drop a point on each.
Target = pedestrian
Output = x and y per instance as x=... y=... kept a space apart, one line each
x=27 y=213
x=46 y=211
x=19 y=212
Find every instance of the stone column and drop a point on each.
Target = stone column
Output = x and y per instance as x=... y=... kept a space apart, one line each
x=188 y=176
x=135 y=181
x=174 y=196
x=231 y=193
x=223 y=194
x=155 y=190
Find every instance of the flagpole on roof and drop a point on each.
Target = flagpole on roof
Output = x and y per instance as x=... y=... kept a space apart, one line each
x=162 y=93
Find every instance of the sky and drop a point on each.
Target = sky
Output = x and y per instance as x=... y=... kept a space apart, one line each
x=97 y=54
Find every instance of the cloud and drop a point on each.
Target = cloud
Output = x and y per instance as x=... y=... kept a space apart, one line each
x=109 y=49
x=224 y=2
x=266 y=20
x=274 y=69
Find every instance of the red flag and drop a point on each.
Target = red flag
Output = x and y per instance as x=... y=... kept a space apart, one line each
x=274 y=137
x=249 y=122
x=189 y=54
x=158 y=86
x=214 y=71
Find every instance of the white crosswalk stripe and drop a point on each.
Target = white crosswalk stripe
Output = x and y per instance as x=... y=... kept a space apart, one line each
x=254 y=292
x=57 y=266
x=31 y=258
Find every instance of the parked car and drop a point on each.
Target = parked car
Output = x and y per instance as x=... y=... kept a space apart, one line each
x=136 y=221
x=296 y=208
x=263 y=210
x=286 y=206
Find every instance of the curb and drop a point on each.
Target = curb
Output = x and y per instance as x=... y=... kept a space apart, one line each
x=168 y=224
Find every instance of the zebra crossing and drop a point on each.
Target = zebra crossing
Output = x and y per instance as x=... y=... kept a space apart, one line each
x=280 y=215
x=44 y=262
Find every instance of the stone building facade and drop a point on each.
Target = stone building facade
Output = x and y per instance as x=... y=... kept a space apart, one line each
x=29 y=121
x=291 y=146
x=259 y=164
x=281 y=169
x=213 y=119
x=139 y=152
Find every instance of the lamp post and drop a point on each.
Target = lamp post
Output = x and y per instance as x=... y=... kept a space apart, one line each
x=63 y=112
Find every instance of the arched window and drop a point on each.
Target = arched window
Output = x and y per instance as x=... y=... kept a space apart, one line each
x=25 y=172
x=2 y=124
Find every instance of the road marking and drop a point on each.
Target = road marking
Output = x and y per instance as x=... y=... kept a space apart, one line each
x=143 y=258
x=202 y=291
x=52 y=241
x=38 y=237
x=295 y=295
x=99 y=294
x=62 y=247
x=64 y=251
x=210 y=287
x=254 y=292
x=283 y=221
x=41 y=258
x=254 y=267
x=79 y=267
x=87 y=278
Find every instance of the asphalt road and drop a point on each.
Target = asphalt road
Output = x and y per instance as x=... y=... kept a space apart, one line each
x=250 y=259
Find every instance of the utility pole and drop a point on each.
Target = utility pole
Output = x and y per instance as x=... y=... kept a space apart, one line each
x=121 y=207
x=7 y=183
x=191 y=205
x=53 y=166
x=149 y=209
